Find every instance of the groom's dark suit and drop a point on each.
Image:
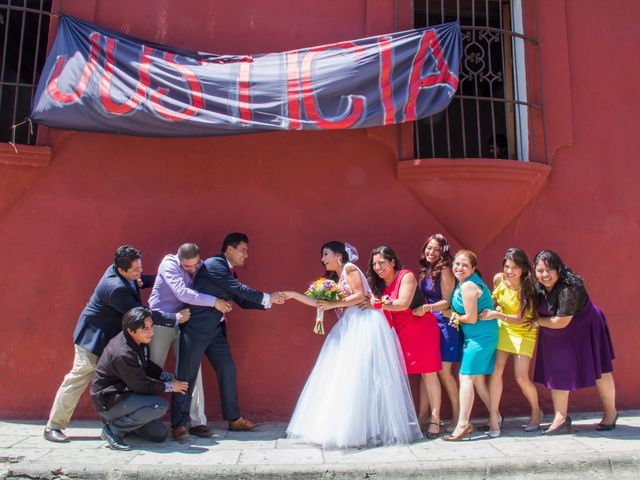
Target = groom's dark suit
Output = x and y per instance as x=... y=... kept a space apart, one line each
x=205 y=333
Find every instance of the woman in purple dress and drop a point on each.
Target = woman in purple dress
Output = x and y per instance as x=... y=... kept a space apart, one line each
x=437 y=283
x=574 y=344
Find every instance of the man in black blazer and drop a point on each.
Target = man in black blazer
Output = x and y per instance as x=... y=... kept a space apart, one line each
x=127 y=385
x=206 y=334
x=117 y=292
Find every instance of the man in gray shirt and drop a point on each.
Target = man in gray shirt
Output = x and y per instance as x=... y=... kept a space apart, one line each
x=171 y=291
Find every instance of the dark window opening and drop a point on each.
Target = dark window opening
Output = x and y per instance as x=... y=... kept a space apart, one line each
x=24 y=31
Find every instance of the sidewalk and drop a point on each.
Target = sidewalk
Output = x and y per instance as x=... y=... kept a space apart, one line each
x=265 y=453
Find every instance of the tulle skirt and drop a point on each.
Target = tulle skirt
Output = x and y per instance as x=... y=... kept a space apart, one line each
x=358 y=392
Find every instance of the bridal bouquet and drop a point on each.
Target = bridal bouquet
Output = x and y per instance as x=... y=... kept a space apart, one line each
x=323 y=289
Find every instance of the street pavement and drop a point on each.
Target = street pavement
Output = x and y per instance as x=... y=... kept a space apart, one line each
x=265 y=453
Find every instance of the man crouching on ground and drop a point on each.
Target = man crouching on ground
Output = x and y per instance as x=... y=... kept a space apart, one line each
x=126 y=384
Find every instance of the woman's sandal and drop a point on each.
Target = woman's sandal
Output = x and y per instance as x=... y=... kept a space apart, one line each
x=466 y=433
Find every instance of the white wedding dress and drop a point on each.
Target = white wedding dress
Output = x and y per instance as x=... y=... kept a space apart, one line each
x=358 y=392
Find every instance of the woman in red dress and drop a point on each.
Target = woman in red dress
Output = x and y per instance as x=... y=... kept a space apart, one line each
x=396 y=292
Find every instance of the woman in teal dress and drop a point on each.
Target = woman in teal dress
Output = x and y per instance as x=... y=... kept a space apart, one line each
x=470 y=297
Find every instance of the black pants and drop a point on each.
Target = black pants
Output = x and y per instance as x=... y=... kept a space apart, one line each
x=139 y=414
x=194 y=344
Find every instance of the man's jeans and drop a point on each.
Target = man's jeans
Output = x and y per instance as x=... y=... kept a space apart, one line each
x=139 y=414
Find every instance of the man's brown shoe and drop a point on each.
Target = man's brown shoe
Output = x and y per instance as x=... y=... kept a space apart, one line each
x=180 y=433
x=241 y=425
x=55 y=435
x=200 y=431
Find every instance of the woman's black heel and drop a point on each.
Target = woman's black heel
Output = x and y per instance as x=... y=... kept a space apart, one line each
x=604 y=427
x=433 y=435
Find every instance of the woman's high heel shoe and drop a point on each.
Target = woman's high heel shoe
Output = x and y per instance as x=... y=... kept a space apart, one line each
x=558 y=430
x=534 y=427
x=466 y=433
x=495 y=433
x=605 y=427
x=487 y=427
x=433 y=435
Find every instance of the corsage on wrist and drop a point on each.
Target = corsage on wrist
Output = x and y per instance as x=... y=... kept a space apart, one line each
x=454 y=321
x=378 y=304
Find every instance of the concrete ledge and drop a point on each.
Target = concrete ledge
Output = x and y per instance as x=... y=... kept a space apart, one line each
x=619 y=466
x=266 y=454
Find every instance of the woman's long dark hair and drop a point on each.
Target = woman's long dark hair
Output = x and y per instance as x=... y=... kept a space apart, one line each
x=377 y=284
x=445 y=260
x=565 y=275
x=339 y=249
x=528 y=286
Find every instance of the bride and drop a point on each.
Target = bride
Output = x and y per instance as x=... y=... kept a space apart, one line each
x=358 y=392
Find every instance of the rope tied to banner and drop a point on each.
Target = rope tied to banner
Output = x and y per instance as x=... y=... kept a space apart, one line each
x=13 y=132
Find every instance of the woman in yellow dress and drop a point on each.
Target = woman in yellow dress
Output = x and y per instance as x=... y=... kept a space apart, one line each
x=514 y=295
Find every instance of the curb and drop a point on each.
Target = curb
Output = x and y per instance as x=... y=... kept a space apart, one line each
x=619 y=465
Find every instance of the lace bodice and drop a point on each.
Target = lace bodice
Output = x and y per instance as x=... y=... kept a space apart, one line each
x=566 y=300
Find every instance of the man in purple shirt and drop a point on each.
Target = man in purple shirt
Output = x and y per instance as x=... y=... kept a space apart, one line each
x=171 y=291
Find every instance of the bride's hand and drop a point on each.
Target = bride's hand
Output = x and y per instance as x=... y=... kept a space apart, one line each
x=288 y=295
x=323 y=305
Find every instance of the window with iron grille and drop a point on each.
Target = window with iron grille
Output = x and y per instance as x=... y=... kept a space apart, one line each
x=24 y=30
x=495 y=111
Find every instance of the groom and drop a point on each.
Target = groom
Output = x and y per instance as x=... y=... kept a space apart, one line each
x=206 y=333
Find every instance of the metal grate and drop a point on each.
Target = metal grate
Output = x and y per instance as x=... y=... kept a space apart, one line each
x=493 y=114
x=24 y=31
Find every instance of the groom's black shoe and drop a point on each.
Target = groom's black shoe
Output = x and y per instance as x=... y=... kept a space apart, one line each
x=242 y=425
x=201 y=431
